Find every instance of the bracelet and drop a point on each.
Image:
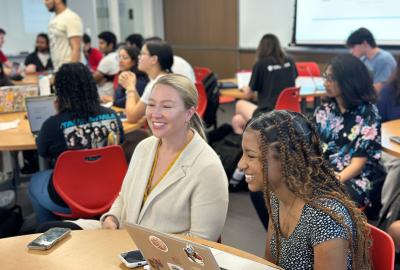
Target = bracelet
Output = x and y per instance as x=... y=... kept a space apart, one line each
x=130 y=91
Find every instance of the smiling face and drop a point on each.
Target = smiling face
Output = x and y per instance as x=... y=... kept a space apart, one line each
x=166 y=113
x=125 y=61
x=252 y=164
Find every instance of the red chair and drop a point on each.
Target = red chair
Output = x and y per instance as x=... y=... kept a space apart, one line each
x=382 y=250
x=201 y=73
x=308 y=69
x=115 y=81
x=89 y=180
x=289 y=100
x=202 y=106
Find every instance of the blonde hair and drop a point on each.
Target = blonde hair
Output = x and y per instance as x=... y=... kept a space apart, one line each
x=189 y=95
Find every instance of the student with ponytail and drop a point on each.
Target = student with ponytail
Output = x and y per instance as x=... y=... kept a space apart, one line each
x=175 y=182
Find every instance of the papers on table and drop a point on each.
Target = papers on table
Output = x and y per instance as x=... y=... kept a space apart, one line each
x=233 y=262
x=243 y=78
x=310 y=84
x=9 y=124
x=107 y=104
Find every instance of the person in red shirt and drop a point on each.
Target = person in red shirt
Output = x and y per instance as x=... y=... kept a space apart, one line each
x=3 y=59
x=92 y=55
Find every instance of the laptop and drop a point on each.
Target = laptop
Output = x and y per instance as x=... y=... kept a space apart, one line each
x=168 y=252
x=38 y=109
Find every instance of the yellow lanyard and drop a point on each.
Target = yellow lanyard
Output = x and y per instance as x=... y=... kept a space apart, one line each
x=149 y=189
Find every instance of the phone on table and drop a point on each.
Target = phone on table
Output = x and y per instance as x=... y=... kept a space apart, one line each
x=133 y=258
x=395 y=139
x=49 y=238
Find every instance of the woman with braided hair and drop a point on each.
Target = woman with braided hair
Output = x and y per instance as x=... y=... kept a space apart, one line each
x=313 y=223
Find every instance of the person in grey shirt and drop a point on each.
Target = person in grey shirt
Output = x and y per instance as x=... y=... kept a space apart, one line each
x=380 y=62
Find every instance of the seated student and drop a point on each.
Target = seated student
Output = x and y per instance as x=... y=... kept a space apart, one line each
x=4 y=80
x=155 y=59
x=389 y=108
x=175 y=182
x=273 y=72
x=79 y=108
x=39 y=60
x=380 y=62
x=108 y=66
x=135 y=40
x=92 y=55
x=349 y=125
x=128 y=61
x=313 y=224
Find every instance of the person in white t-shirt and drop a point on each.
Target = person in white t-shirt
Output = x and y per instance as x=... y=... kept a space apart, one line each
x=65 y=33
x=108 y=66
x=156 y=59
x=181 y=66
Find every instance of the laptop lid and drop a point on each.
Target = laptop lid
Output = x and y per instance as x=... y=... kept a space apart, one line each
x=39 y=109
x=165 y=252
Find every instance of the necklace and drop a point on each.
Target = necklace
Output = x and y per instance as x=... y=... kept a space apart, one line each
x=285 y=223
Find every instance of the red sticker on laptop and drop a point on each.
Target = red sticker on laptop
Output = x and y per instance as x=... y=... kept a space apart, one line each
x=158 y=243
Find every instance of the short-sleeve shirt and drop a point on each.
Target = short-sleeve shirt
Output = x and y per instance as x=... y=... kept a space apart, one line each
x=94 y=58
x=63 y=26
x=354 y=133
x=108 y=66
x=3 y=58
x=313 y=228
x=269 y=79
x=381 y=66
x=34 y=59
x=147 y=90
x=388 y=103
x=181 y=66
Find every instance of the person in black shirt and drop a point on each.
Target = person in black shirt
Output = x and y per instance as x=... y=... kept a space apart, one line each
x=80 y=117
x=39 y=60
x=273 y=72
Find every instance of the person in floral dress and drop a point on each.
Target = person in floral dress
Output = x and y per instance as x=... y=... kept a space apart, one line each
x=349 y=125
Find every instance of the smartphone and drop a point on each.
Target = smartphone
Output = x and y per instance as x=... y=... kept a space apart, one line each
x=395 y=139
x=49 y=238
x=133 y=258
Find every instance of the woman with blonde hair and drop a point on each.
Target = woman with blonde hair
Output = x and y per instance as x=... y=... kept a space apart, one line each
x=175 y=182
x=313 y=224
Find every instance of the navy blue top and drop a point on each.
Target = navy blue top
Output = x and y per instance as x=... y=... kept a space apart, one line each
x=120 y=95
x=387 y=104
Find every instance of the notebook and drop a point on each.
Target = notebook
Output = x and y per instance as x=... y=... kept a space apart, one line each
x=167 y=252
x=38 y=110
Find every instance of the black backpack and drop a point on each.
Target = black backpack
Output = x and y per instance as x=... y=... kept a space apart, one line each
x=211 y=86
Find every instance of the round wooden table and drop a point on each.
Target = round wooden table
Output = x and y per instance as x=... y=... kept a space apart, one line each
x=389 y=129
x=88 y=249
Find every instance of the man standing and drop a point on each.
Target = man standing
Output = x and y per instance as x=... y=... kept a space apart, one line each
x=65 y=33
x=380 y=62
x=108 y=66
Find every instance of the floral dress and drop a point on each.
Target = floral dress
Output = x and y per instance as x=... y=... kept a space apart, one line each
x=353 y=133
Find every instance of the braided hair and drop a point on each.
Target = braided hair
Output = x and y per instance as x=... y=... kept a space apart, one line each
x=76 y=91
x=295 y=140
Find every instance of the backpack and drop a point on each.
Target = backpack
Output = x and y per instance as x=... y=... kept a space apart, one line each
x=10 y=221
x=210 y=83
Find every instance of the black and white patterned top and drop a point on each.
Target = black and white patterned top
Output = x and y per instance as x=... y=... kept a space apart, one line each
x=314 y=227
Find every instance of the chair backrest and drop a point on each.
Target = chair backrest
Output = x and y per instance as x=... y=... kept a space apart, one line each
x=202 y=106
x=89 y=180
x=115 y=81
x=201 y=73
x=309 y=69
x=289 y=100
x=382 y=250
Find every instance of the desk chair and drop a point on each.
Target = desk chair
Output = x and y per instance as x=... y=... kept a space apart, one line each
x=382 y=250
x=89 y=180
x=289 y=100
x=201 y=73
x=202 y=106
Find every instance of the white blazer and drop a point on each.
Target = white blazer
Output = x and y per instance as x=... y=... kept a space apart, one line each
x=191 y=199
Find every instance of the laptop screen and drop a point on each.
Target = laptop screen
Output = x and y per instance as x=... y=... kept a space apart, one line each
x=39 y=109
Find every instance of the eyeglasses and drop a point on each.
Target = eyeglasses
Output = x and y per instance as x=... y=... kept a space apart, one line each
x=328 y=77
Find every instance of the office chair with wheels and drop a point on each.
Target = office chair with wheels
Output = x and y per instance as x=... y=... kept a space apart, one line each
x=382 y=250
x=289 y=100
x=89 y=180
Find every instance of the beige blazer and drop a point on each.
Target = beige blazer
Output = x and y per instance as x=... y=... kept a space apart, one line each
x=191 y=199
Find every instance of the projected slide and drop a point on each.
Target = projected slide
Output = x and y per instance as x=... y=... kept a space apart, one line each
x=331 y=21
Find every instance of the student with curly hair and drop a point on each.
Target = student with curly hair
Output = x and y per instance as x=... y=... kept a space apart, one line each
x=79 y=109
x=313 y=223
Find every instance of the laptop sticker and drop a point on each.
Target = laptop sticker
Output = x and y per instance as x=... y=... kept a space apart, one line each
x=158 y=243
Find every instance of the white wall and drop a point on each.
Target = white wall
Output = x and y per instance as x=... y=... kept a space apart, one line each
x=259 y=17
